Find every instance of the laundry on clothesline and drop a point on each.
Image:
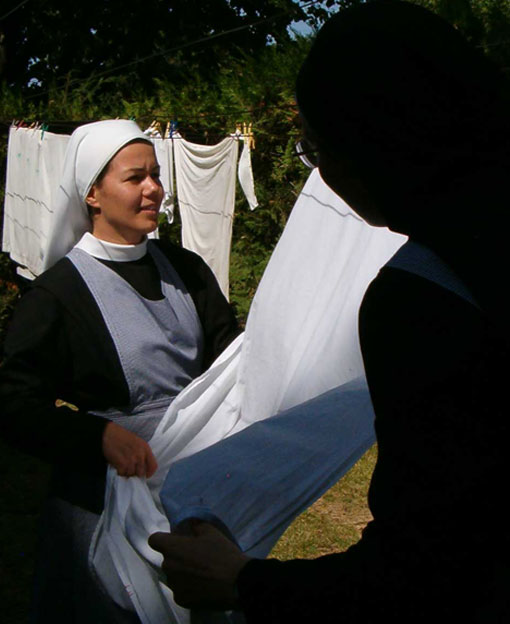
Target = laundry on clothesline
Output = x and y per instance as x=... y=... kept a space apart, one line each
x=165 y=158
x=34 y=163
x=34 y=170
x=280 y=416
x=206 y=182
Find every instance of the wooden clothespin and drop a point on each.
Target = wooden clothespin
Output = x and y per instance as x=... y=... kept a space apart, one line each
x=167 y=130
x=248 y=134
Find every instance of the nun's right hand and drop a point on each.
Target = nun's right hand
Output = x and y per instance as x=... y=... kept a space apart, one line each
x=127 y=452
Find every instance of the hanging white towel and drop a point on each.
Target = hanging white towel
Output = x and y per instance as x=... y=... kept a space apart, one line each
x=206 y=183
x=33 y=170
x=164 y=155
x=301 y=344
x=245 y=175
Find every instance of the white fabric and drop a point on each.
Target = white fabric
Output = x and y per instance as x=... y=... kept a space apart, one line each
x=104 y=250
x=301 y=341
x=245 y=175
x=164 y=155
x=34 y=162
x=206 y=183
x=89 y=150
x=165 y=158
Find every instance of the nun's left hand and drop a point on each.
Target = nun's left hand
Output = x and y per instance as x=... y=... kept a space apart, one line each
x=202 y=568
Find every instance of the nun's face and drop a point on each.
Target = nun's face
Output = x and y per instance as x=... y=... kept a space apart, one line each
x=125 y=203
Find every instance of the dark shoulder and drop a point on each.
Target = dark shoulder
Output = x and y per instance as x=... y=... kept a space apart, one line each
x=61 y=277
x=191 y=267
x=412 y=326
x=64 y=282
x=44 y=294
x=397 y=295
x=40 y=311
x=177 y=254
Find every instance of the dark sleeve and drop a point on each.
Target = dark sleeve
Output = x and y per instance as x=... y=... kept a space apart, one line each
x=431 y=364
x=216 y=314
x=36 y=370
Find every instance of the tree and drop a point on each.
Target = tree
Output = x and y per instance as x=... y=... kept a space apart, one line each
x=486 y=23
x=59 y=43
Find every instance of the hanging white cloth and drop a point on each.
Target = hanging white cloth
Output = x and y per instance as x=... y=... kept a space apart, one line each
x=165 y=157
x=301 y=344
x=206 y=183
x=34 y=162
x=245 y=175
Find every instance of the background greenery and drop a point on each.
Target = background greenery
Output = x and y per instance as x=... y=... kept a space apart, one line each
x=67 y=63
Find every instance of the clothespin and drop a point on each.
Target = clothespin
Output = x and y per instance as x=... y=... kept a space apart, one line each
x=238 y=129
x=248 y=135
x=44 y=127
x=132 y=118
x=251 y=137
x=167 y=130
x=173 y=127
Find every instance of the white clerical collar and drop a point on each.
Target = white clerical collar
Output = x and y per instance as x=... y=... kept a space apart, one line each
x=103 y=250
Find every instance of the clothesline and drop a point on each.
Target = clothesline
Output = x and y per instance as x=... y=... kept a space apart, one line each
x=202 y=176
x=234 y=112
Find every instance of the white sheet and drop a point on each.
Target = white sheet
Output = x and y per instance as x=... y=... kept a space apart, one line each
x=301 y=344
x=33 y=170
x=206 y=182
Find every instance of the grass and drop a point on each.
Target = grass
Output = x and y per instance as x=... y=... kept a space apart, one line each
x=333 y=523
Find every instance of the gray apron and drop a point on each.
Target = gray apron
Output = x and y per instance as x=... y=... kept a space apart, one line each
x=159 y=344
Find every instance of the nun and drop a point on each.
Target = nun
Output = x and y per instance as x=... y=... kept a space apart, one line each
x=112 y=331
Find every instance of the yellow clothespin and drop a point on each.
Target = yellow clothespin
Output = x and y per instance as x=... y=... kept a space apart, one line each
x=251 y=138
x=167 y=130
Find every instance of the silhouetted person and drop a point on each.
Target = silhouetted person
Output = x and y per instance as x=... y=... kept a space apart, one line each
x=411 y=127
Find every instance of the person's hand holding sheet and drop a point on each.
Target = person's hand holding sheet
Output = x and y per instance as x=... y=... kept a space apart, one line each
x=128 y=453
x=201 y=568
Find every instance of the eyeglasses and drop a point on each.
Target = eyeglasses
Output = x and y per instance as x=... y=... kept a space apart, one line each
x=308 y=153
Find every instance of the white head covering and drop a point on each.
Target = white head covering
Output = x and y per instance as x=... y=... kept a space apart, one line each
x=90 y=149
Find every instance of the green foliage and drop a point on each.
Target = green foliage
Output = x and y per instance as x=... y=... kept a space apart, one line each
x=486 y=23
x=55 y=42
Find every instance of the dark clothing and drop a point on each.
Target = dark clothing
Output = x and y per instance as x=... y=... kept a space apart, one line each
x=438 y=545
x=58 y=346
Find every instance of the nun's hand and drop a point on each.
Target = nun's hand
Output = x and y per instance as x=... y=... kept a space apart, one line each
x=201 y=569
x=127 y=452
